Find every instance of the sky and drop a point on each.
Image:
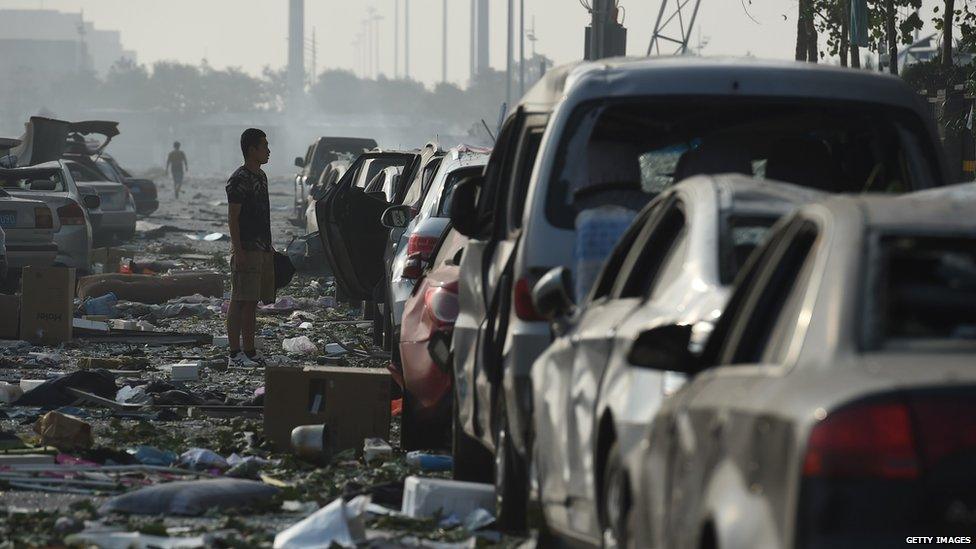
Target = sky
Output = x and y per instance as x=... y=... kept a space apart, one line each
x=252 y=34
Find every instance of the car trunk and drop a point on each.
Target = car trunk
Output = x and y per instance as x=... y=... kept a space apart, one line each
x=112 y=195
x=897 y=464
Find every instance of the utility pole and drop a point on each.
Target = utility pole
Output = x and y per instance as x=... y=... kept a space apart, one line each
x=376 y=42
x=444 y=46
x=406 y=38
x=509 y=53
x=396 y=38
x=605 y=36
x=521 y=48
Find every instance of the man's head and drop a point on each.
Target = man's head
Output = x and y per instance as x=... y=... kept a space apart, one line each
x=176 y=145
x=254 y=146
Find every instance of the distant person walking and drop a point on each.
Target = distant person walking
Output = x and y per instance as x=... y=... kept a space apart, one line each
x=176 y=164
x=251 y=260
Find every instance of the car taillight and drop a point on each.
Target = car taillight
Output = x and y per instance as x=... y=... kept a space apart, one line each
x=43 y=218
x=522 y=298
x=441 y=304
x=864 y=440
x=946 y=426
x=71 y=214
x=423 y=245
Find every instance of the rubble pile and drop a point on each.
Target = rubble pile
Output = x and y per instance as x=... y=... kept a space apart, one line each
x=137 y=433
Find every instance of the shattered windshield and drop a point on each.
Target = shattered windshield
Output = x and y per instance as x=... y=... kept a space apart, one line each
x=29 y=180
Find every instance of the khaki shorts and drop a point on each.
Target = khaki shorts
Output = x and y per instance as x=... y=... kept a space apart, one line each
x=252 y=276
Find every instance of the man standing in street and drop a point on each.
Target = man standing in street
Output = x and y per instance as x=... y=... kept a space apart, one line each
x=251 y=260
x=176 y=164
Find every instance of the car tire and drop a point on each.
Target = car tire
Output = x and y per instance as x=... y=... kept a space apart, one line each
x=472 y=461
x=511 y=477
x=615 y=502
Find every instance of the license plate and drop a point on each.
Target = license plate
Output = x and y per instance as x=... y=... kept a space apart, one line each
x=8 y=219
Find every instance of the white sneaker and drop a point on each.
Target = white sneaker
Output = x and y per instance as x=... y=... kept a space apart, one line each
x=240 y=360
x=257 y=360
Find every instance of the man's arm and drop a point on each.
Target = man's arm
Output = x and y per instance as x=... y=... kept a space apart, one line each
x=186 y=163
x=234 y=223
x=169 y=160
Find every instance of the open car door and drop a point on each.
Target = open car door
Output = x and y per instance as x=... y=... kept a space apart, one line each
x=349 y=222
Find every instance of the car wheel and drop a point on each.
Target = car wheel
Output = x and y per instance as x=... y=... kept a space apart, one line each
x=472 y=461
x=511 y=477
x=616 y=501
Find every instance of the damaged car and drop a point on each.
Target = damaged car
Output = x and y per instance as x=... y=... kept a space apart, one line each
x=51 y=183
x=428 y=318
x=674 y=265
x=26 y=235
x=833 y=403
x=610 y=136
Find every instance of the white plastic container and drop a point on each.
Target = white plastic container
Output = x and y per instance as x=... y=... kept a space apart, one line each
x=424 y=497
x=9 y=392
x=376 y=448
x=183 y=371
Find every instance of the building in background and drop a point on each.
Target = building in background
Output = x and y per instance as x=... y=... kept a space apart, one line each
x=54 y=41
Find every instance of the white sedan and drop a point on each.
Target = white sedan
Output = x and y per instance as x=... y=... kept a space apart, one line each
x=26 y=233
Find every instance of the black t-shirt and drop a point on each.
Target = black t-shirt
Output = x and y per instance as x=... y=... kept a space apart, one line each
x=250 y=190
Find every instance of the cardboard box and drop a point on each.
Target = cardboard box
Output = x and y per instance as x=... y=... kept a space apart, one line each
x=46 y=302
x=353 y=403
x=9 y=316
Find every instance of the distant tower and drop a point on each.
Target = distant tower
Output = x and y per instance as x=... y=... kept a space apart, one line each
x=672 y=30
x=480 y=42
x=296 y=49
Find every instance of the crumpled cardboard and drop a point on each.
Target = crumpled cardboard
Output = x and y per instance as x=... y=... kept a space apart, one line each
x=64 y=432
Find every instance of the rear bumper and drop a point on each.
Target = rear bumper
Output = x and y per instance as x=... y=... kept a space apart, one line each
x=33 y=255
x=425 y=381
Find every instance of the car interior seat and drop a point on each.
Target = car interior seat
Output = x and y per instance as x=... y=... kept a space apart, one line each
x=803 y=161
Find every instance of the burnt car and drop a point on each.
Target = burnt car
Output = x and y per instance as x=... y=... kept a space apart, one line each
x=833 y=405
x=143 y=190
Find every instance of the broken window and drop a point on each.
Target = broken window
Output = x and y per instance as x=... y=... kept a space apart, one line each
x=926 y=288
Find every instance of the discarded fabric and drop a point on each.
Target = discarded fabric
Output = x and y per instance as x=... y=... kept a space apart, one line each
x=299 y=345
x=54 y=393
x=190 y=498
x=200 y=459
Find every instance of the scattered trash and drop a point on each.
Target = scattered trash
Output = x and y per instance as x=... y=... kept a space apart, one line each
x=430 y=462
x=55 y=392
x=335 y=349
x=376 y=448
x=299 y=345
x=428 y=497
x=148 y=455
x=53 y=359
x=132 y=395
x=113 y=539
x=306 y=326
x=478 y=519
x=63 y=431
x=183 y=371
x=190 y=497
x=302 y=507
x=103 y=305
x=152 y=289
x=310 y=442
x=338 y=523
x=209 y=237
x=201 y=459
x=9 y=392
x=80 y=325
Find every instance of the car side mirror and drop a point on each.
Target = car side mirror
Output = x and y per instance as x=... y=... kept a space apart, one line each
x=553 y=294
x=396 y=217
x=439 y=348
x=464 y=205
x=300 y=162
x=664 y=348
x=92 y=201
